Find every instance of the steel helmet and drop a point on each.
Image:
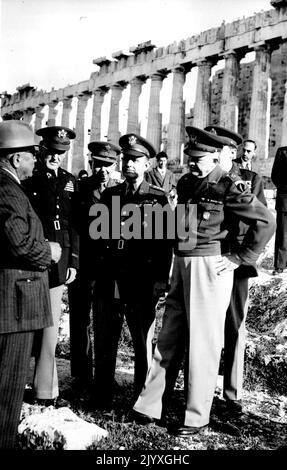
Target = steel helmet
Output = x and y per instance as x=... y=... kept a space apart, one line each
x=15 y=135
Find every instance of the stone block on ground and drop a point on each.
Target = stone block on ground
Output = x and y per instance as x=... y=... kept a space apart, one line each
x=57 y=428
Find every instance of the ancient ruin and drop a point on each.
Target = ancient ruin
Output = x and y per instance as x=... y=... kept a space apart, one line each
x=250 y=98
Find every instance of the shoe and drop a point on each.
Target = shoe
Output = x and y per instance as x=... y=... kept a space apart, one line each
x=234 y=407
x=186 y=431
x=46 y=402
x=277 y=271
x=29 y=396
x=141 y=418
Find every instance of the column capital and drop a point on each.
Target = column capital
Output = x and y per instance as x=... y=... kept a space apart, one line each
x=228 y=53
x=158 y=76
x=101 y=91
x=53 y=103
x=138 y=80
x=204 y=63
x=260 y=46
x=84 y=96
x=118 y=86
x=178 y=69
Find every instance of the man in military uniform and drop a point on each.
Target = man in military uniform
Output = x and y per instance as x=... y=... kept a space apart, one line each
x=25 y=257
x=137 y=268
x=103 y=162
x=51 y=190
x=202 y=281
x=278 y=176
x=234 y=337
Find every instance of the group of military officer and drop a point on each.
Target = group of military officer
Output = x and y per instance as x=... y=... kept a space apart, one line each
x=122 y=276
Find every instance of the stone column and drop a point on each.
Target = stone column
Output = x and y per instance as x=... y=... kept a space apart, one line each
x=98 y=100
x=39 y=117
x=113 y=129
x=284 y=121
x=229 y=98
x=154 y=116
x=78 y=158
x=67 y=108
x=201 y=111
x=258 y=123
x=52 y=113
x=174 y=139
x=28 y=115
x=133 y=112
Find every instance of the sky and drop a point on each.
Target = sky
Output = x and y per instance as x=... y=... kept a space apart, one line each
x=52 y=43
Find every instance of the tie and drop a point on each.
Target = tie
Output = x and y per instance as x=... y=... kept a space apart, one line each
x=130 y=192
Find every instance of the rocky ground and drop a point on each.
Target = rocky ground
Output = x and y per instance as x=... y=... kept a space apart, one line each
x=263 y=424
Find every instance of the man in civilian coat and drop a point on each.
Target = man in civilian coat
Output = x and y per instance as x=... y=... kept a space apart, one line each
x=51 y=190
x=25 y=256
x=278 y=176
x=160 y=175
x=104 y=157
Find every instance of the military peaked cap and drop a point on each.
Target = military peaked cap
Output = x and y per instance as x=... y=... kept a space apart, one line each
x=233 y=139
x=201 y=142
x=136 y=146
x=56 y=137
x=104 y=152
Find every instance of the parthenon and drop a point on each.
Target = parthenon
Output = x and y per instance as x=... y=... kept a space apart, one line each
x=259 y=113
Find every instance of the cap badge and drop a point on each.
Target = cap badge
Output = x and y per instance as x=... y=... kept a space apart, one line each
x=108 y=147
x=213 y=131
x=132 y=140
x=62 y=134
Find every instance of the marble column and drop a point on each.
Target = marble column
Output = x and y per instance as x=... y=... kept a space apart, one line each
x=78 y=151
x=133 y=110
x=39 y=120
x=174 y=139
x=67 y=108
x=113 y=129
x=201 y=111
x=28 y=115
x=98 y=100
x=258 y=122
x=52 y=113
x=230 y=97
x=154 y=116
x=284 y=121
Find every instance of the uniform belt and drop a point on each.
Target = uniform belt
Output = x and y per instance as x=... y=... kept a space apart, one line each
x=57 y=225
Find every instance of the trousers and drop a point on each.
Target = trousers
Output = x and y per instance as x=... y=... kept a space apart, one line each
x=197 y=301
x=46 y=377
x=234 y=339
x=15 y=354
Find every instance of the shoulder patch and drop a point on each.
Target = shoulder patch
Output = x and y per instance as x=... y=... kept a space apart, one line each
x=235 y=179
